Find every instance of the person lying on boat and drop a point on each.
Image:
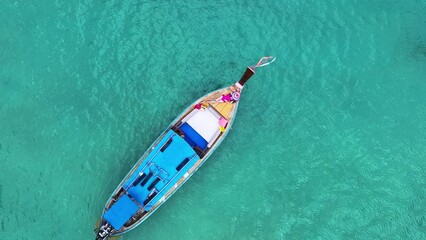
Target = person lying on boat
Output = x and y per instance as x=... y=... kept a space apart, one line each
x=234 y=96
x=230 y=97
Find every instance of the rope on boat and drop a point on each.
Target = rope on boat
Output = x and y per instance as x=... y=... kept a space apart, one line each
x=264 y=62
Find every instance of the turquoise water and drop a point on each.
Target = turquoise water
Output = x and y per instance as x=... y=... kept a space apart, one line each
x=329 y=141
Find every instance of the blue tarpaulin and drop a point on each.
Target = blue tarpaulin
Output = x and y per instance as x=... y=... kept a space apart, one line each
x=121 y=212
x=161 y=163
x=195 y=139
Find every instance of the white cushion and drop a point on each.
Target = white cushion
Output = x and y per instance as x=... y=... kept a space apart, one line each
x=206 y=123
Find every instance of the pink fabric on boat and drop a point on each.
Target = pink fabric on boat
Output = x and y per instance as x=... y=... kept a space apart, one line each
x=197 y=106
x=227 y=98
x=223 y=122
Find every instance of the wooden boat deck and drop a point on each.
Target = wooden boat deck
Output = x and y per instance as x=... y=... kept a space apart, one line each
x=226 y=109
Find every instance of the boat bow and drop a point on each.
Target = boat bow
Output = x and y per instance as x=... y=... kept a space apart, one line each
x=251 y=70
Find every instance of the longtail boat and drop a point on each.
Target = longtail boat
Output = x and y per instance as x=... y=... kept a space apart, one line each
x=172 y=159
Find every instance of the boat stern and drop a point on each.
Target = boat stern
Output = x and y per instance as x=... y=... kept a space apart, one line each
x=104 y=231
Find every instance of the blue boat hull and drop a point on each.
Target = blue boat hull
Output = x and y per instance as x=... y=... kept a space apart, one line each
x=127 y=184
